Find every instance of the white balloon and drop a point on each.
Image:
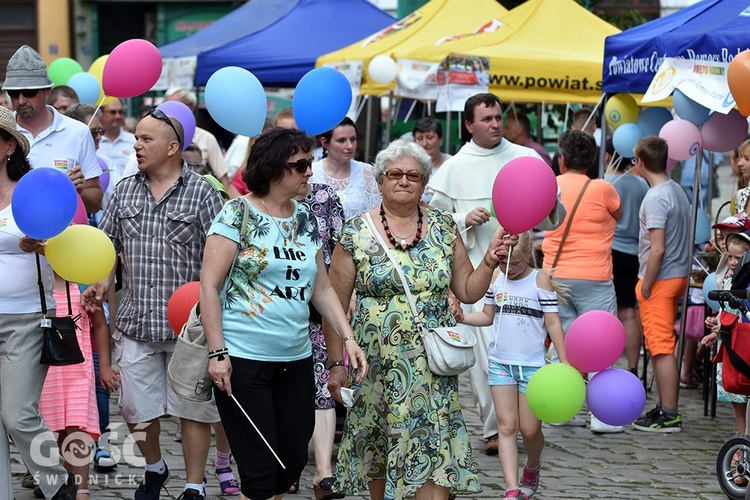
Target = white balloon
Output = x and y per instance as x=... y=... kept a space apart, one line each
x=382 y=69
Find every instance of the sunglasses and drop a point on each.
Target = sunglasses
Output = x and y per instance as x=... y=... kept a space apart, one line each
x=27 y=93
x=397 y=175
x=96 y=131
x=301 y=165
x=159 y=115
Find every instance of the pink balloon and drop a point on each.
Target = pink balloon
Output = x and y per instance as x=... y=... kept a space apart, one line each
x=184 y=115
x=724 y=132
x=595 y=341
x=524 y=192
x=81 y=217
x=683 y=138
x=132 y=68
x=671 y=164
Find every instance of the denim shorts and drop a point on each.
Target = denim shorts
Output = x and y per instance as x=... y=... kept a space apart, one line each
x=502 y=374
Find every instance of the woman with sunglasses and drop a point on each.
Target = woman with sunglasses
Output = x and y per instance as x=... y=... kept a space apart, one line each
x=352 y=179
x=405 y=432
x=259 y=348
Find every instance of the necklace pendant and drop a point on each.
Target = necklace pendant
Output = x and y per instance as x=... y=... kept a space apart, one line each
x=403 y=243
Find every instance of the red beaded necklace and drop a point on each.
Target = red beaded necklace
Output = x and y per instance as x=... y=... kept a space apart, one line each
x=402 y=244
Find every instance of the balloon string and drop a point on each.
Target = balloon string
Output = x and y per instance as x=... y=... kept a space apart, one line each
x=623 y=175
x=593 y=112
x=614 y=164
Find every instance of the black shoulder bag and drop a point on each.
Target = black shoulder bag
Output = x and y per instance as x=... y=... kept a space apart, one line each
x=60 y=345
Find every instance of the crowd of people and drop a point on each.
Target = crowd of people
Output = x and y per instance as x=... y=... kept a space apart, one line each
x=307 y=264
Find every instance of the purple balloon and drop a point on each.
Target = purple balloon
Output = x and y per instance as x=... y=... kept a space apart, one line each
x=724 y=132
x=616 y=396
x=104 y=178
x=185 y=117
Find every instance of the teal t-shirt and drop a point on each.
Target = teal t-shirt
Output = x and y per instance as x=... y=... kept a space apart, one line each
x=265 y=313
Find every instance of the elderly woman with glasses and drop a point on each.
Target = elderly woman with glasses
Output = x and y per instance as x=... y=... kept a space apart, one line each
x=259 y=348
x=405 y=431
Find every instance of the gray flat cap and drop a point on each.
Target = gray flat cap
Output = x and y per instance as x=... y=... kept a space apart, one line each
x=26 y=70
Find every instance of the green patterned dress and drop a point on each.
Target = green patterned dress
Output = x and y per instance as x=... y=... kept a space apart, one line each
x=406 y=426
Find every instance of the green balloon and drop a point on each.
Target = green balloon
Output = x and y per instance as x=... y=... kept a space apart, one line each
x=61 y=69
x=556 y=393
x=492 y=211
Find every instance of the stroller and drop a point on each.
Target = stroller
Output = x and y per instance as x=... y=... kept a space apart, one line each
x=733 y=461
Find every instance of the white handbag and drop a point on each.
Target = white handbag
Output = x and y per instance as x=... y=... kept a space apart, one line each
x=449 y=349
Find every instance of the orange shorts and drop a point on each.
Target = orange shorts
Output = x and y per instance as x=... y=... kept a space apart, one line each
x=658 y=313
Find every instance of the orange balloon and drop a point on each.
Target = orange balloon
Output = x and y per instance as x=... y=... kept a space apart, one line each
x=738 y=78
x=181 y=303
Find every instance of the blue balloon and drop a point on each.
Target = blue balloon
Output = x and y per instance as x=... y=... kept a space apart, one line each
x=321 y=100
x=86 y=86
x=651 y=120
x=625 y=138
x=688 y=109
x=236 y=100
x=709 y=284
x=702 y=227
x=44 y=203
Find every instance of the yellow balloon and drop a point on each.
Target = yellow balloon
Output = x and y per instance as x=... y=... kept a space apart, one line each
x=621 y=108
x=97 y=69
x=81 y=254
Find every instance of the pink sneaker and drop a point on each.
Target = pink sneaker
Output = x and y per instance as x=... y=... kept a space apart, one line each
x=530 y=480
x=515 y=493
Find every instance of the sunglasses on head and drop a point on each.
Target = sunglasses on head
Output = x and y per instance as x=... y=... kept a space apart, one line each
x=27 y=93
x=159 y=115
x=96 y=131
x=301 y=165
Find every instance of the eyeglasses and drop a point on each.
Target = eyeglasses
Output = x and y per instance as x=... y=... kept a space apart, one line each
x=397 y=175
x=198 y=168
x=27 y=93
x=96 y=131
x=632 y=162
x=115 y=111
x=159 y=115
x=301 y=165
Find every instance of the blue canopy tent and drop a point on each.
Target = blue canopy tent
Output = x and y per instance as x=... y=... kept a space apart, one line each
x=278 y=40
x=713 y=30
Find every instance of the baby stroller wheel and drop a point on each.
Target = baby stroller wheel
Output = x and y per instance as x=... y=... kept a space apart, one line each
x=733 y=467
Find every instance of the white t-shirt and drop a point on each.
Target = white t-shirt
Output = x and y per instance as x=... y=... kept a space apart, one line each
x=118 y=151
x=19 y=292
x=63 y=145
x=518 y=333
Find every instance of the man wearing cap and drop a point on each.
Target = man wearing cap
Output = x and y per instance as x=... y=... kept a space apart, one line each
x=56 y=140
x=158 y=219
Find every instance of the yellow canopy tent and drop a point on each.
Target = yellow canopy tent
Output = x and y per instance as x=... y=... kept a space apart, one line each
x=436 y=21
x=546 y=51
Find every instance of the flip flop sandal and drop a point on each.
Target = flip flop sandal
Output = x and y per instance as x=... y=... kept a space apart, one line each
x=324 y=490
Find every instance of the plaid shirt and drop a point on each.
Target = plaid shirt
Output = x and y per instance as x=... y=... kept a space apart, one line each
x=162 y=246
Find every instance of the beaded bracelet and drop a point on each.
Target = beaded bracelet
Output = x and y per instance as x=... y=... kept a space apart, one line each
x=331 y=364
x=218 y=353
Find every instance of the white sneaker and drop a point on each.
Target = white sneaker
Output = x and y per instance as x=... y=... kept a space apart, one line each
x=599 y=427
x=573 y=422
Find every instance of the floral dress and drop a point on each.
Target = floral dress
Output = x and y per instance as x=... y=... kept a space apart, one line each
x=406 y=425
x=324 y=204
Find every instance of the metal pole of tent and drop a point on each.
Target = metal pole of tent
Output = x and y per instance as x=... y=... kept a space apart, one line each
x=448 y=129
x=711 y=185
x=603 y=141
x=691 y=239
x=539 y=124
x=388 y=118
x=368 y=141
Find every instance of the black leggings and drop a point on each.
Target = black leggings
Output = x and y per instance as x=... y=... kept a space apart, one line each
x=279 y=397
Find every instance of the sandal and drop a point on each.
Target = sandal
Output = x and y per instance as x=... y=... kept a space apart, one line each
x=294 y=488
x=738 y=480
x=324 y=490
x=229 y=486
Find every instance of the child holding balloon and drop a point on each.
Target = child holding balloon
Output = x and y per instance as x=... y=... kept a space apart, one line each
x=68 y=401
x=521 y=307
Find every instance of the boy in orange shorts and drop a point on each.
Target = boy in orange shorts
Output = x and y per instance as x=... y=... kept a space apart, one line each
x=663 y=256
